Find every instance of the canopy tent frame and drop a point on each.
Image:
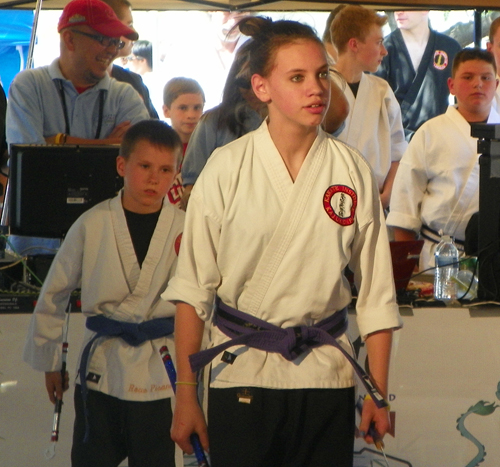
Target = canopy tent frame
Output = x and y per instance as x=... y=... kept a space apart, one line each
x=284 y=5
x=258 y=4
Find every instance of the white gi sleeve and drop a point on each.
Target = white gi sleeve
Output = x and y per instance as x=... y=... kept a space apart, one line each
x=398 y=141
x=376 y=307
x=43 y=349
x=410 y=185
x=197 y=276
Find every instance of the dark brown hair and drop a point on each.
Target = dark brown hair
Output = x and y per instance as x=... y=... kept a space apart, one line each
x=155 y=132
x=268 y=36
x=470 y=53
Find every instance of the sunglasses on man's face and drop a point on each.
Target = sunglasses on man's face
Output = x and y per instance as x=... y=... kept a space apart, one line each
x=105 y=41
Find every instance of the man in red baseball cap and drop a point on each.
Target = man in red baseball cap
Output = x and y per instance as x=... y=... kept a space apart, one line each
x=74 y=100
x=97 y=15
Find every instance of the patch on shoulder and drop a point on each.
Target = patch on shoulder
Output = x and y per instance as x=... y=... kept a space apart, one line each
x=440 y=59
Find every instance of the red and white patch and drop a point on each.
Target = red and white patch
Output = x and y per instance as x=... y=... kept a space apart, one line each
x=177 y=244
x=440 y=59
x=340 y=203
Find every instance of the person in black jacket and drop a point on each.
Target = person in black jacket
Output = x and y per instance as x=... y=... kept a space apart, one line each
x=417 y=68
x=123 y=9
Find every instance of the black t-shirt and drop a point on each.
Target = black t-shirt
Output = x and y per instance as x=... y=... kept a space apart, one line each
x=354 y=88
x=141 y=228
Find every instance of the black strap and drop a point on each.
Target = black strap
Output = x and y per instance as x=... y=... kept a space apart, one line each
x=434 y=237
x=101 y=113
x=64 y=106
x=102 y=95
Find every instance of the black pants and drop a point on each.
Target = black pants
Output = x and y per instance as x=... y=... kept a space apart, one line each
x=121 y=429
x=281 y=428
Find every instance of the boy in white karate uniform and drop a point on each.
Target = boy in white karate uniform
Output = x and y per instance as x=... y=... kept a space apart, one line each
x=374 y=126
x=436 y=190
x=121 y=253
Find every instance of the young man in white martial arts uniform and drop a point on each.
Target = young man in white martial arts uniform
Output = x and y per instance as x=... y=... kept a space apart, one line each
x=275 y=218
x=436 y=190
x=121 y=253
x=374 y=124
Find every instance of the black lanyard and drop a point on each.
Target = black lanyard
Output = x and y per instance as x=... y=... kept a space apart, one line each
x=102 y=93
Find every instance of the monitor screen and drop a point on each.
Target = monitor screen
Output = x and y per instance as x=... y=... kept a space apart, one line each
x=51 y=186
x=489 y=227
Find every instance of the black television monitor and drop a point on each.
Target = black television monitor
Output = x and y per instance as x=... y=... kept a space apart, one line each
x=489 y=210
x=50 y=186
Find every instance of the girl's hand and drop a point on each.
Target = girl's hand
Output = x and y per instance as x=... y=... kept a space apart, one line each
x=188 y=419
x=379 y=418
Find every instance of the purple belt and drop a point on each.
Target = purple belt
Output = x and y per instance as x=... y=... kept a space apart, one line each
x=245 y=329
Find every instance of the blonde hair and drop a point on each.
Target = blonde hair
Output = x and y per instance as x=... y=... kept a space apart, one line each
x=353 y=21
x=494 y=28
x=178 y=86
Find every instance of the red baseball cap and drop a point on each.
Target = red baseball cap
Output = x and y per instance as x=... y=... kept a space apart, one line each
x=97 y=15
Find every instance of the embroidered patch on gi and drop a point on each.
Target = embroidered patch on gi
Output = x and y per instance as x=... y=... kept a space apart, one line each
x=177 y=244
x=93 y=378
x=340 y=203
x=440 y=59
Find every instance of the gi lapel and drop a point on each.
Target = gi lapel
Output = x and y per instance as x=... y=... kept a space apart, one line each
x=139 y=279
x=160 y=237
x=295 y=204
x=353 y=125
x=128 y=258
x=471 y=183
x=416 y=84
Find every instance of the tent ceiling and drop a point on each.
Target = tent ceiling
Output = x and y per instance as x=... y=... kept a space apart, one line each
x=285 y=5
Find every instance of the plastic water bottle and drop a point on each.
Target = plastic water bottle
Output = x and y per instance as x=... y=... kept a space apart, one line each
x=446 y=260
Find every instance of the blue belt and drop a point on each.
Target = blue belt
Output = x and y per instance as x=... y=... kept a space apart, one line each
x=245 y=329
x=133 y=334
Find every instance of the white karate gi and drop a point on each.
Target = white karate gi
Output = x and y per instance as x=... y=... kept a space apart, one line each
x=374 y=126
x=437 y=183
x=98 y=256
x=277 y=249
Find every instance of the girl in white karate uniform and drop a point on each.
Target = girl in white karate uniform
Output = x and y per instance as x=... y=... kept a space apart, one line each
x=278 y=215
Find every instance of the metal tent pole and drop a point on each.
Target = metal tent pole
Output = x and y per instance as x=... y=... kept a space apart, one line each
x=29 y=62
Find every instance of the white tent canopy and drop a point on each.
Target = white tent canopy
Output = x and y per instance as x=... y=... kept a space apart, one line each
x=285 y=5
